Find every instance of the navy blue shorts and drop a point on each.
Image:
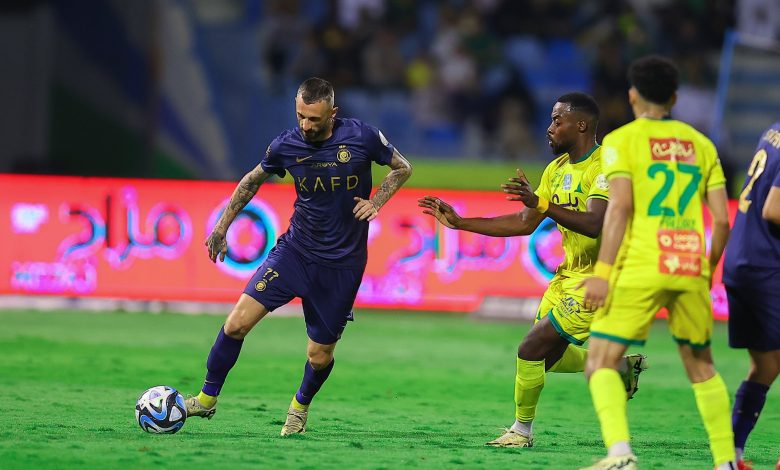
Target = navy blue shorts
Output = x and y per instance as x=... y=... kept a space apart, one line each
x=328 y=293
x=754 y=317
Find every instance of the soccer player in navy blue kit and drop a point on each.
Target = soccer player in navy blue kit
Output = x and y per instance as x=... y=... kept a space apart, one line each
x=751 y=272
x=322 y=256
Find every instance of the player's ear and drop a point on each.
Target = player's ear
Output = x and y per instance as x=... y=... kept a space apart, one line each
x=632 y=96
x=334 y=111
x=672 y=100
x=582 y=125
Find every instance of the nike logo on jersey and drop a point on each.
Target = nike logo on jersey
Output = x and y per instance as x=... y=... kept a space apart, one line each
x=300 y=159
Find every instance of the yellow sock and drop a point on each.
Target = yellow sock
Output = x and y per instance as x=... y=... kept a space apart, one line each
x=294 y=403
x=712 y=398
x=573 y=360
x=609 y=400
x=529 y=382
x=206 y=400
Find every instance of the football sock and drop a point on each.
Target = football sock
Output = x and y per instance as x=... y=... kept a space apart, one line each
x=312 y=381
x=525 y=429
x=609 y=400
x=206 y=400
x=748 y=404
x=619 y=448
x=573 y=360
x=712 y=398
x=222 y=358
x=294 y=403
x=529 y=382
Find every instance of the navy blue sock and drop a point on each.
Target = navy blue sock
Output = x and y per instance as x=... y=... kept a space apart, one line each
x=312 y=381
x=748 y=404
x=222 y=358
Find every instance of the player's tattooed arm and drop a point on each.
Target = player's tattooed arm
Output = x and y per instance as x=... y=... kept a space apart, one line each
x=216 y=242
x=400 y=171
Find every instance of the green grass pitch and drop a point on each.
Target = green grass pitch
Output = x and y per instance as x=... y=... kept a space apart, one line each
x=408 y=391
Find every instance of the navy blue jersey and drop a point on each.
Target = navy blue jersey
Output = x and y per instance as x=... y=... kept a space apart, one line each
x=327 y=176
x=755 y=242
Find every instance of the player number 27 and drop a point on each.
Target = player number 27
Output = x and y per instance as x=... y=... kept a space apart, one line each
x=657 y=206
x=755 y=170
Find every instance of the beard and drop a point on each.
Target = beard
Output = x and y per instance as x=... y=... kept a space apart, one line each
x=316 y=135
x=558 y=148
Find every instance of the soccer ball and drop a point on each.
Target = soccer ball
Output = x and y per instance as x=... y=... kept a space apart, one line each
x=161 y=410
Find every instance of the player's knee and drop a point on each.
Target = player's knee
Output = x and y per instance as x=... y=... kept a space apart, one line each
x=764 y=372
x=235 y=330
x=600 y=361
x=236 y=325
x=701 y=373
x=540 y=342
x=527 y=351
x=698 y=363
x=699 y=370
x=533 y=350
x=320 y=359
x=590 y=368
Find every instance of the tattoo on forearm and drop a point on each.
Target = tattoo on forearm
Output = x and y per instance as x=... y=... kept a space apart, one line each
x=244 y=192
x=389 y=186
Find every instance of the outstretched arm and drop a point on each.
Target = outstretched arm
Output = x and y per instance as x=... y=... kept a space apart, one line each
x=520 y=223
x=401 y=170
x=244 y=192
x=587 y=223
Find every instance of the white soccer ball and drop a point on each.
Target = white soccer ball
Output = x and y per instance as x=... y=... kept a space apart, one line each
x=161 y=410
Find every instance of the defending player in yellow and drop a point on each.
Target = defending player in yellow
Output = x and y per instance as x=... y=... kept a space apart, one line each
x=661 y=171
x=573 y=193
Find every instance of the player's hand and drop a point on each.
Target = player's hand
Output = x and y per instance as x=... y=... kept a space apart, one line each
x=217 y=245
x=596 y=290
x=519 y=189
x=443 y=212
x=364 y=209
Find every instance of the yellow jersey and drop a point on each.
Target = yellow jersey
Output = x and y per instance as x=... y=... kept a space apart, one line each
x=570 y=185
x=671 y=167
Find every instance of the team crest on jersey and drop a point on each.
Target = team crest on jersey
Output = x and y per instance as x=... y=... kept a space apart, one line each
x=566 y=182
x=343 y=154
x=601 y=182
x=673 y=149
x=261 y=285
x=609 y=154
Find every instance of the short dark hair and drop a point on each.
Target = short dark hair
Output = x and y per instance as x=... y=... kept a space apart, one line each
x=655 y=78
x=582 y=102
x=316 y=89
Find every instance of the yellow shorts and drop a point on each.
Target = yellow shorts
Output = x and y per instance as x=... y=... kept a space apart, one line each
x=563 y=303
x=629 y=312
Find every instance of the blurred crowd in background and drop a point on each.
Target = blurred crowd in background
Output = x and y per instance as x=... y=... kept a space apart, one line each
x=198 y=88
x=485 y=73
